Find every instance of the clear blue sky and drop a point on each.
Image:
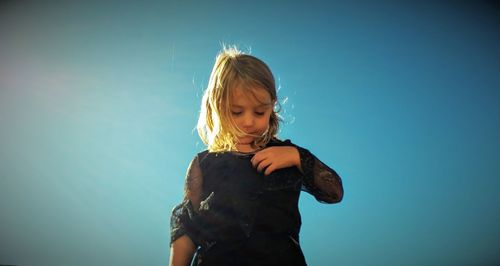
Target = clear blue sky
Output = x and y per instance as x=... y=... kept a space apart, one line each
x=98 y=104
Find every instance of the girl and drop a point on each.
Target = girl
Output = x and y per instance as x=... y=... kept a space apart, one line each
x=241 y=195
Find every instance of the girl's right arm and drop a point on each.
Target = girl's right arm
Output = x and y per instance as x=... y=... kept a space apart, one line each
x=183 y=228
x=181 y=251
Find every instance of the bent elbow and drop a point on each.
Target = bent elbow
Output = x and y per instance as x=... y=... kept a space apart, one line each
x=335 y=197
x=339 y=197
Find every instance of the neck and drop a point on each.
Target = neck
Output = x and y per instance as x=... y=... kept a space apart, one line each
x=245 y=148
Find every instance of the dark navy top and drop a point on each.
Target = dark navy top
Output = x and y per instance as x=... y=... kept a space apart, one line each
x=237 y=216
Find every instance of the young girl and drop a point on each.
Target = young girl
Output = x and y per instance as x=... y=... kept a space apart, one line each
x=241 y=195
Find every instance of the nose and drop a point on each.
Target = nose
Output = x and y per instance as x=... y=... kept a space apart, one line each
x=248 y=121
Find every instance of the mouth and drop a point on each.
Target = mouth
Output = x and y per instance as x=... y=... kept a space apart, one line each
x=251 y=134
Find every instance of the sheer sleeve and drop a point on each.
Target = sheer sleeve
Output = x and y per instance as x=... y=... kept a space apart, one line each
x=320 y=180
x=184 y=216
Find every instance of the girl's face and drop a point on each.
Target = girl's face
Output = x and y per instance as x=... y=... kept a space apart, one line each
x=251 y=112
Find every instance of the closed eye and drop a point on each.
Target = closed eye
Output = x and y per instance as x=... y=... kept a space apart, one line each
x=260 y=113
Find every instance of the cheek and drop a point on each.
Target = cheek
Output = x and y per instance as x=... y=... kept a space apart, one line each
x=238 y=121
x=264 y=122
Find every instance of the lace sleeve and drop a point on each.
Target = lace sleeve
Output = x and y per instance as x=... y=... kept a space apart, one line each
x=320 y=180
x=184 y=216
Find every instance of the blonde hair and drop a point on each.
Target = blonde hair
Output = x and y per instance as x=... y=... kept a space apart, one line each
x=232 y=69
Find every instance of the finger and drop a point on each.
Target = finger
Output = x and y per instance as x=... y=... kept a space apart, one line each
x=263 y=164
x=269 y=169
x=263 y=152
x=257 y=158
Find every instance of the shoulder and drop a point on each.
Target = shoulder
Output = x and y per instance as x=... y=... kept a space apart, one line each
x=303 y=152
x=206 y=157
x=195 y=161
x=201 y=154
x=278 y=142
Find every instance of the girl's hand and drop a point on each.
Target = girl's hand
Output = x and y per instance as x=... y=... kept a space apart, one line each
x=276 y=157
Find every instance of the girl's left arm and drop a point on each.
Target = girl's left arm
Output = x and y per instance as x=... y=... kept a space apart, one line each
x=318 y=179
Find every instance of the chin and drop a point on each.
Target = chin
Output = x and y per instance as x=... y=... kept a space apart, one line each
x=246 y=141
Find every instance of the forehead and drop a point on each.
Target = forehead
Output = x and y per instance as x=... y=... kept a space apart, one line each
x=250 y=97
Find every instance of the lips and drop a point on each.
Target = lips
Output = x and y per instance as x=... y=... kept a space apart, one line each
x=254 y=133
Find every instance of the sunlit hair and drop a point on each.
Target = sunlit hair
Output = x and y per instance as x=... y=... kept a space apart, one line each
x=233 y=69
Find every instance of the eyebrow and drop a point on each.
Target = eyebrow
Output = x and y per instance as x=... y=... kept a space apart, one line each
x=258 y=106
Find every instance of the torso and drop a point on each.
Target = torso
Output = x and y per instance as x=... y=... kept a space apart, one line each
x=245 y=211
